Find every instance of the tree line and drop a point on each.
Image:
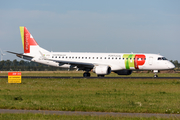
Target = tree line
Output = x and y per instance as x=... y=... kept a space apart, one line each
x=33 y=66
x=25 y=66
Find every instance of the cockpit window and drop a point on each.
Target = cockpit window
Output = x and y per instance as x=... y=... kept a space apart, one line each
x=162 y=58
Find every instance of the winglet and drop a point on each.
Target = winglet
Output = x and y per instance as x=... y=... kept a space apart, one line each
x=27 y=39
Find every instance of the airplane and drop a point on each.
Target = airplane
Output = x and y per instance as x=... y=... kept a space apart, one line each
x=100 y=63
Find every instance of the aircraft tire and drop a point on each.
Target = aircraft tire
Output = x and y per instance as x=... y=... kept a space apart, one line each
x=86 y=74
x=100 y=75
x=155 y=76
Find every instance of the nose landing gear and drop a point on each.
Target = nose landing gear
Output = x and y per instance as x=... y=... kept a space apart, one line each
x=155 y=73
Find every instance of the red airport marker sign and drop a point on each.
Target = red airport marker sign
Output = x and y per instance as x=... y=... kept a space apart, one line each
x=14 y=77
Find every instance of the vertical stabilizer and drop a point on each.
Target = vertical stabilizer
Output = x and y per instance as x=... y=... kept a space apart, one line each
x=27 y=39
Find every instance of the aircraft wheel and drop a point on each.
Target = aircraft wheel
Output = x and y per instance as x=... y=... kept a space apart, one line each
x=89 y=75
x=86 y=74
x=155 y=76
x=100 y=75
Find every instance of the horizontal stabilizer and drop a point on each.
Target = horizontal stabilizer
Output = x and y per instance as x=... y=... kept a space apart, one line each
x=21 y=55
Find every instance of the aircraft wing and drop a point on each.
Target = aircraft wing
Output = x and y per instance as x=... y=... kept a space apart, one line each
x=80 y=65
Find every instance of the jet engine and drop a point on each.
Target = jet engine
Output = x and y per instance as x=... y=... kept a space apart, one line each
x=123 y=72
x=102 y=70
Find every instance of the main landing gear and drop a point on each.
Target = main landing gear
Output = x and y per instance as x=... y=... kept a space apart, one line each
x=155 y=73
x=100 y=75
x=86 y=74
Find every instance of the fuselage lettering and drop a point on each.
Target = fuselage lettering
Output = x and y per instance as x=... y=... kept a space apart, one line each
x=134 y=60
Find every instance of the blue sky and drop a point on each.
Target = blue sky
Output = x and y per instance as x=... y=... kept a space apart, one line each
x=93 y=26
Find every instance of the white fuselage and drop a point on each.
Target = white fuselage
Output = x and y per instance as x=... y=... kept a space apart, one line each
x=117 y=61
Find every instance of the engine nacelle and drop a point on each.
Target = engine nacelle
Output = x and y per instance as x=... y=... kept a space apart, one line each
x=102 y=70
x=123 y=72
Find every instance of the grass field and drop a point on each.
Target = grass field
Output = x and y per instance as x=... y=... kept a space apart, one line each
x=110 y=95
x=30 y=116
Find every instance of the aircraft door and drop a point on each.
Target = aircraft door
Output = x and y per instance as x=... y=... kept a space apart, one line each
x=150 y=60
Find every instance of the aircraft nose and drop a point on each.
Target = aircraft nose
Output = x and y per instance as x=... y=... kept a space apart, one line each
x=171 y=65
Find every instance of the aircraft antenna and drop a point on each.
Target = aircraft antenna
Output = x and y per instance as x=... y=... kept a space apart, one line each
x=159 y=52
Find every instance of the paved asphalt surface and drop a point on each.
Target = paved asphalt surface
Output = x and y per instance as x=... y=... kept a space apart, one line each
x=95 y=77
x=91 y=113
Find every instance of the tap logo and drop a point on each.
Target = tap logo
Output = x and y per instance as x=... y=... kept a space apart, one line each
x=27 y=39
x=134 y=60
